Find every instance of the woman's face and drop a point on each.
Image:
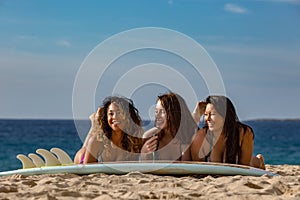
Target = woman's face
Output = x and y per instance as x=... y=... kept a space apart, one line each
x=160 y=115
x=213 y=119
x=115 y=117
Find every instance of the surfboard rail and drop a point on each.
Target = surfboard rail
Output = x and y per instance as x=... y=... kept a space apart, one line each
x=158 y=168
x=58 y=161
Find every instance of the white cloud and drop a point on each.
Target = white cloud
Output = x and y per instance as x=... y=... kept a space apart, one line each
x=63 y=42
x=234 y=8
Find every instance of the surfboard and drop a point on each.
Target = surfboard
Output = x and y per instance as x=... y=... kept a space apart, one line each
x=57 y=161
x=158 y=168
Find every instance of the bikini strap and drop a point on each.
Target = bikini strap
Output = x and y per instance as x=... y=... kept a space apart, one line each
x=211 y=144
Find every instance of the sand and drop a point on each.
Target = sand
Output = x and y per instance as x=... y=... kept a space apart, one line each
x=136 y=185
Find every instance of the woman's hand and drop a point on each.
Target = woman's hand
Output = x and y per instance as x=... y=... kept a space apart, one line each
x=94 y=117
x=199 y=110
x=79 y=157
x=150 y=145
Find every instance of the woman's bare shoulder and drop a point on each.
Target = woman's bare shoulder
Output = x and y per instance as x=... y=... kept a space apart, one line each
x=150 y=132
x=246 y=132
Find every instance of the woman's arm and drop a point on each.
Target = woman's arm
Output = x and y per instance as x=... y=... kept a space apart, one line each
x=79 y=155
x=148 y=148
x=199 y=111
x=186 y=156
x=93 y=148
x=150 y=144
x=95 y=128
x=247 y=145
x=196 y=145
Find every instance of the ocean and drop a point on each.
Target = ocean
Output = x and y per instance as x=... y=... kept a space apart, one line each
x=277 y=140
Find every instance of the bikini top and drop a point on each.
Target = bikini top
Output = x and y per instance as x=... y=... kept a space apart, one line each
x=211 y=144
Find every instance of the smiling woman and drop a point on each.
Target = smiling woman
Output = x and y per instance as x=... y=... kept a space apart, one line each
x=224 y=138
x=116 y=133
x=174 y=127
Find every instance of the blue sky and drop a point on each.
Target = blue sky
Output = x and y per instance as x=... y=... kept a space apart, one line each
x=255 y=45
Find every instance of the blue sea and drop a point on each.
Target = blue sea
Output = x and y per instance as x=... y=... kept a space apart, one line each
x=277 y=140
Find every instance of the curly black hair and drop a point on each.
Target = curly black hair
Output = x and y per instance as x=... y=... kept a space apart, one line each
x=132 y=135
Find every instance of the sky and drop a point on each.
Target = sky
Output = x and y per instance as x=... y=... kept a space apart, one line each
x=255 y=46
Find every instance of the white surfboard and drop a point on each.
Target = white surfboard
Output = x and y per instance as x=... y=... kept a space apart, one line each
x=159 y=168
x=58 y=161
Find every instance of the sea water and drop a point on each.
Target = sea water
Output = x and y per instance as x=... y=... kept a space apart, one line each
x=277 y=140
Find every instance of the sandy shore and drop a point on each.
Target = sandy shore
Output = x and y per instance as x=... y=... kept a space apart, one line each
x=145 y=186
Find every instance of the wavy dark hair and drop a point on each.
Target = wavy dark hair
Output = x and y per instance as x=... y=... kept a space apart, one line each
x=232 y=126
x=180 y=123
x=132 y=135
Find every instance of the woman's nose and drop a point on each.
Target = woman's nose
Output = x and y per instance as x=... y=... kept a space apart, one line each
x=157 y=114
x=208 y=117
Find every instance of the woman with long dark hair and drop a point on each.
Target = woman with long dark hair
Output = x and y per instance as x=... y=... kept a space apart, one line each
x=170 y=139
x=224 y=138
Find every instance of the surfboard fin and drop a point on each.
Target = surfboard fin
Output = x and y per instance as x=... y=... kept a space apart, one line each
x=50 y=159
x=62 y=156
x=54 y=157
x=38 y=161
x=26 y=162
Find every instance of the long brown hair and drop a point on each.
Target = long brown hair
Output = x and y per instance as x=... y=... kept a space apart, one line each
x=180 y=123
x=232 y=125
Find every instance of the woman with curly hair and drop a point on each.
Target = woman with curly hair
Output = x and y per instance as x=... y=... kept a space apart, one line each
x=224 y=138
x=117 y=132
x=174 y=127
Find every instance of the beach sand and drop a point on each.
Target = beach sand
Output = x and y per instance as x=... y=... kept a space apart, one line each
x=136 y=185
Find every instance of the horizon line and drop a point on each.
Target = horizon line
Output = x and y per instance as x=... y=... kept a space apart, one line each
x=87 y=119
